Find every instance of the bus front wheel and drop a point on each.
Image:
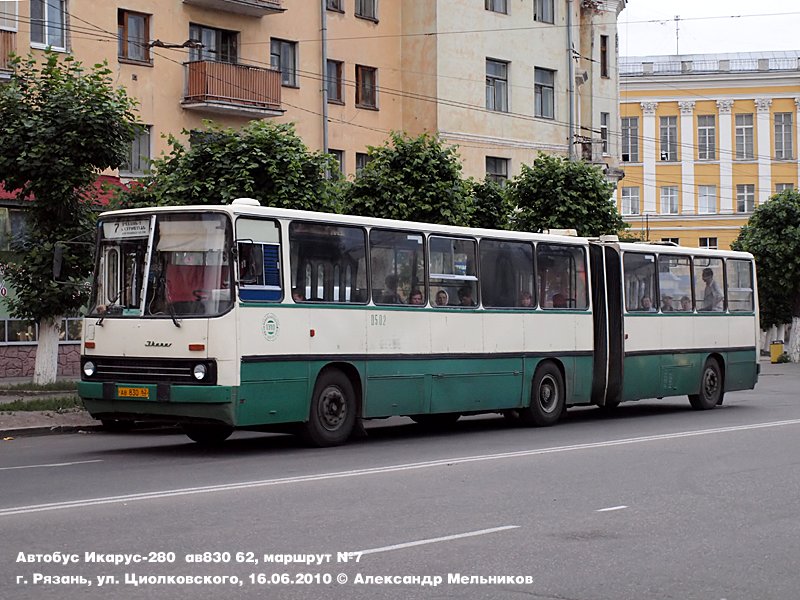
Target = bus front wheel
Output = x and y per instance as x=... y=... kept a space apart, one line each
x=333 y=411
x=711 y=387
x=207 y=435
x=547 y=397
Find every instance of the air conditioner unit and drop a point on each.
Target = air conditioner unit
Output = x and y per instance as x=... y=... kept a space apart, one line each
x=626 y=157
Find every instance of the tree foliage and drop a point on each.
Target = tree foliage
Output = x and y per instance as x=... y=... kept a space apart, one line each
x=492 y=208
x=556 y=193
x=262 y=160
x=772 y=236
x=414 y=179
x=60 y=125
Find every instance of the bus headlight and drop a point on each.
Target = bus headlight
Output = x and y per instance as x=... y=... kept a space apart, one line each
x=89 y=368
x=200 y=371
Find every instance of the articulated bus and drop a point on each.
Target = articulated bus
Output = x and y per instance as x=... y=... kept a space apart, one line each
x=249 y=317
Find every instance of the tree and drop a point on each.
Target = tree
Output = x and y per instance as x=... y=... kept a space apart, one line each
x=411 y=179
x=556 y=193
x=772 y=236
x=492 y=208
x=60 y=125
x=262 y=160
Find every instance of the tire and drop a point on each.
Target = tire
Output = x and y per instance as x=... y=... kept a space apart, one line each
x=712 y=388
x=436 y=421
x=207 y=435
x=547 y=397
x=332 y=414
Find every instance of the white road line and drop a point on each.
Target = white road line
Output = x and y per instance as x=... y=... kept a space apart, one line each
x=445 y=538
x=610 y=508
x=66 y=464
x=446 y=462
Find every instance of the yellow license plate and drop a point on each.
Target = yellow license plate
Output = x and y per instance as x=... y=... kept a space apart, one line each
x=133 y=392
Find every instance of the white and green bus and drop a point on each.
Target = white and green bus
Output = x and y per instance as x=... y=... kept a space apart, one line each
x=249 y=317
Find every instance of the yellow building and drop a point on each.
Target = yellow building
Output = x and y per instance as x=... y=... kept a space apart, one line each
x=704 y=140
x=491 y=76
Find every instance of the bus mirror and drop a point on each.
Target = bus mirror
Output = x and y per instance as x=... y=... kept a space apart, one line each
x=58 y=259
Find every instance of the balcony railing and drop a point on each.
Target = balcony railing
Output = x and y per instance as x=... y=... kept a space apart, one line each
x=252 y=8
x=8 y=44
x=228 y=88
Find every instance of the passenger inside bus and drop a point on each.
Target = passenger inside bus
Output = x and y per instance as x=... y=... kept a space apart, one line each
x=646 y=304
x=666 y=304
x=297 y=295
x=442 y=299
x=559 y=300
x=416 y=298
x=465 y=296
x=686 y=303
x=525 y=299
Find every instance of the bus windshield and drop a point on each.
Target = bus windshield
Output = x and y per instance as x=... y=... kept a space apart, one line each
x=170 y=265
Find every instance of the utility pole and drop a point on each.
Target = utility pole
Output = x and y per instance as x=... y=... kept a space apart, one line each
x=677 y=27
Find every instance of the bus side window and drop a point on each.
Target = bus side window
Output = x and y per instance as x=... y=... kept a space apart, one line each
x=739 y=283
x=507 y=274
x=453 y=270
x=675 y=283
x=561 y=273
x=708 y=284
x=397 y=261
x=640 y=282
x=259 y=268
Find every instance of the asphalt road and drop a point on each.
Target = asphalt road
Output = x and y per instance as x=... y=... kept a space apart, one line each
x=656 y=502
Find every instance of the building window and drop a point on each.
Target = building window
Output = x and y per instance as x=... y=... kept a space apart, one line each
x=605 y=119
x=499 y=6
x=669 y=139
x=783 y=136
x=544 y=85
x=283 y=58
x=362 y=158
x=339 y=156
x=335 y=82
x=669 y=200
x=8 y=16
x=709 y=243
x=496 y=85
x=134 y=35
x=782 y=187
x=497 y=169
x=366 y=86
x=744 y=137
x=217 y=44
x=630 y=139
x=707 y=199
x=706 y=137
x=48 y=23
x=367 y=9
x=603 y=56
x=543 y=11
x=630 y=200
x=337 y=5
x=676 y=241
x=138 y=160
x=745 y=198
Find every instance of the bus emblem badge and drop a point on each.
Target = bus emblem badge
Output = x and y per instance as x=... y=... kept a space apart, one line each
x=270 y=327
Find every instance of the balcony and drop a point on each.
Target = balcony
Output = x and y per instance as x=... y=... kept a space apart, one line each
x=8 y=44
x=232 y=89
x=250 y=8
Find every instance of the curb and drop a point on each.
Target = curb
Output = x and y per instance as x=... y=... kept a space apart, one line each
x=48 y=430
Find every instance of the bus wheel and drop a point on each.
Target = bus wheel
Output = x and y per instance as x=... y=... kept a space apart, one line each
x=711 y=387
x=207 y=435
x=547 y=397
x=333 y=411
x=436 y=421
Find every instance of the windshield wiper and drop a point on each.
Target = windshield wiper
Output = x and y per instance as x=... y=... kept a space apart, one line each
x=172 y=314
x=107 y=309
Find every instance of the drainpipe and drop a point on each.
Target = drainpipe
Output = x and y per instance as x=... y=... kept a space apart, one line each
x=571 y=81
x=324 y=37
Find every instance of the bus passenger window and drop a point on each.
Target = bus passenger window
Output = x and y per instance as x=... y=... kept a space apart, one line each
x=640 y=282
x=675 y=283
x=453 y=271
x=561 y=273
x=258 y=248
x=708 y=277
x=507 y=274
x=397 y=261
x=739 y=283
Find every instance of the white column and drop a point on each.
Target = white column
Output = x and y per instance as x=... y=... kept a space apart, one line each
x=727 y=195
x=687 y=157
x=796 y=148
x=649 y=157
x=763 y=134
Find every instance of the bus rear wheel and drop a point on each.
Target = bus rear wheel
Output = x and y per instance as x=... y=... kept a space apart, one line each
x=332 y=415
x=207 y=435
x=711 y=387
x=547 y=397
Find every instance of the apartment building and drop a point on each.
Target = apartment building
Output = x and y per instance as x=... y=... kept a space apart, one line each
x=502 y=79
x=705 y=139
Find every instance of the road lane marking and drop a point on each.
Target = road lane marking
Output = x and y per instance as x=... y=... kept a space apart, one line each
x=445 y=538
x=611 y=508
x=446 y=462
x=66 y=464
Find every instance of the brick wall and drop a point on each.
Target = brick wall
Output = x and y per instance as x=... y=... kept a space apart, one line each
x=18 y=360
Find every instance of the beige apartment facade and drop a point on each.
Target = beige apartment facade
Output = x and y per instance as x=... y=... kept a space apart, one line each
x=491 y=76
x=704 y=140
